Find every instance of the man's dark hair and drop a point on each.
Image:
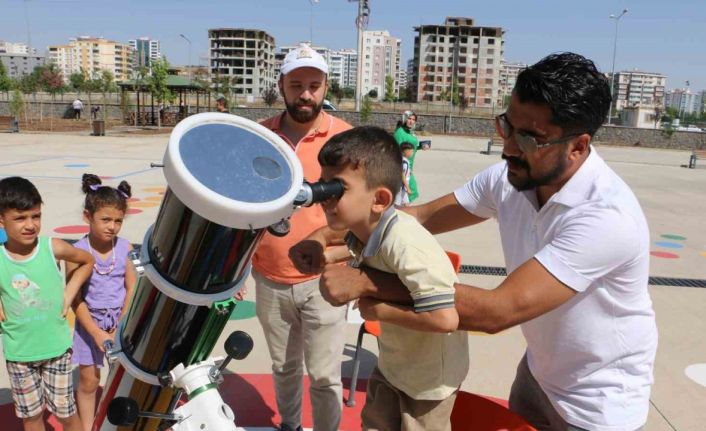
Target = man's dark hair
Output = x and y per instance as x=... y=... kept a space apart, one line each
x=17 y=193
x=575 y=91
x=371 y=148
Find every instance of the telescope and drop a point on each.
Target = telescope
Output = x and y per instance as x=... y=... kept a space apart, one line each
x=229 y=180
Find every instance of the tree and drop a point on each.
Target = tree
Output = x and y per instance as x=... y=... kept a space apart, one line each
x=451 y=94
x=389 y=89
x=349 y=92
x=158 y=84
x=270 y=95
x=463 y=103
x=141 y=74
x=5 y=81
x=105 y=84
x=77 y=82
x=366 y=108
x=373 y=94
x=335 y=91
x=658 y=114
x=51 y=81
x=27 y=84
x=17 y=104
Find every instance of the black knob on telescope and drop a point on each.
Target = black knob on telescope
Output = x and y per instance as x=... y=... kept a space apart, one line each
x=238 y=345
x=123 y=411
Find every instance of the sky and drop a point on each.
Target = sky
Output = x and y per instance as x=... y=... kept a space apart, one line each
x=654 y=36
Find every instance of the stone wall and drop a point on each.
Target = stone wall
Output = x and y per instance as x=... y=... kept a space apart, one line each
x=442 y=124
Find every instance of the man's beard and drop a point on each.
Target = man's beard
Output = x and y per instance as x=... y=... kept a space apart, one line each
x=301 y=116
x=529 y=181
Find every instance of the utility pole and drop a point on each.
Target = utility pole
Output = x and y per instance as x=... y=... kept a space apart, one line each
x=612 y=73
x=361 y=22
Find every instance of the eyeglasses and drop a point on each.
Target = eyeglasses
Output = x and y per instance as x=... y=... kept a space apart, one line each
x=527 y=143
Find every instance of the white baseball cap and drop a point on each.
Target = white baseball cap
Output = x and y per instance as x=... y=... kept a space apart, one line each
x=303 y=56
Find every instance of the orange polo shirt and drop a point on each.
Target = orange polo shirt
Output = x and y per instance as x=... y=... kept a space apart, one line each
x=271 y=257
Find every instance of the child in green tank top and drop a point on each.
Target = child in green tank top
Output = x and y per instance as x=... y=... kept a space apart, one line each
x=33 y=307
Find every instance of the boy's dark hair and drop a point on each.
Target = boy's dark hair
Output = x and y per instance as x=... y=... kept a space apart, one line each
x=17 y=193
x=371 y=148
x=406 y=146
x=99 y=196
x=575 y=91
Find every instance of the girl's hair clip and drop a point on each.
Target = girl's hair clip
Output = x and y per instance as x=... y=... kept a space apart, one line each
x=95 y=187
x=125 y=195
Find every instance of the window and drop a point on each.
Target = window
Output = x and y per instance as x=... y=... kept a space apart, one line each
x=491 y=41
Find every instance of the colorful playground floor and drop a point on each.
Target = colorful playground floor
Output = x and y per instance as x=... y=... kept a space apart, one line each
x=673 y=198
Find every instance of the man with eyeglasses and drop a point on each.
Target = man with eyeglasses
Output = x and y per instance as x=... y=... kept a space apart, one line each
x=576 y=246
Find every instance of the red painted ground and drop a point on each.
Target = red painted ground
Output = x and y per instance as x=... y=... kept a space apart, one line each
x=81 y=228
x=251 y=396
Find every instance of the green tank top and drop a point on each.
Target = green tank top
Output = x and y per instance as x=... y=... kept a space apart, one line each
x=32 y=294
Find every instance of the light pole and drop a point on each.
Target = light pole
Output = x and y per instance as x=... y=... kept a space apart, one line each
x=612 y=72
x=189 y=66
x=361 y=22
x=311 y=20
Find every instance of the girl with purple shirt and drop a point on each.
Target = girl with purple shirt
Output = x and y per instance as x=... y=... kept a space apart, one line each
x=105 y=296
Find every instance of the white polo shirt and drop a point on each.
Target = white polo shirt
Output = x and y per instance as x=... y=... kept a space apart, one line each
x=593 y=355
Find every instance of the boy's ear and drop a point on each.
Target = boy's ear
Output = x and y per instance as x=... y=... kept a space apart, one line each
x=86 y=217
x=383 y=200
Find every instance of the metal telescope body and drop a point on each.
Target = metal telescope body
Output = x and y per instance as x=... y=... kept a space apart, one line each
x=228 y=180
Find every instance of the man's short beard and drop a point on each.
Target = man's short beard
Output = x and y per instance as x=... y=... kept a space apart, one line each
x=531 y=182
x=302 y=116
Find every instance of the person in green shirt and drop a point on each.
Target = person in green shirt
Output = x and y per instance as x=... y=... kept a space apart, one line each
x=405 y=133
x=33 y=307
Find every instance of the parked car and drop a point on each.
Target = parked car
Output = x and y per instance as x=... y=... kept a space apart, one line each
x=328 y=106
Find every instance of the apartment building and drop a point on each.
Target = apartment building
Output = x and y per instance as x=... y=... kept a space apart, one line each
x=460 y=50
x=145 y=51
x=380 y=58
x=245 y=54
x=342 y=63
x=508 y=78
x=18 y=65
x=16 y=48
x=684 y=101
x=92 y=55
x=637 y=88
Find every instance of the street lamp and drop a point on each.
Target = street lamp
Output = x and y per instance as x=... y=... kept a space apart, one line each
x=189 y=66
x=361 y=23
x=612 y=73
x=311 y=20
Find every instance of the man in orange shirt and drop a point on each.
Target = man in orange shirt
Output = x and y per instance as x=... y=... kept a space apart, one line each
x=299 y=325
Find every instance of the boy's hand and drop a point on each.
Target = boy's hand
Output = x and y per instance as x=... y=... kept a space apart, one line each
x=68 y=299
x=101 y=337
x=240 y=295
x=341 y=284
x=368 y=308
x=308 y=256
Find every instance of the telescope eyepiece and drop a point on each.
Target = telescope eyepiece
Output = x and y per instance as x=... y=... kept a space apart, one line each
x=312 y=193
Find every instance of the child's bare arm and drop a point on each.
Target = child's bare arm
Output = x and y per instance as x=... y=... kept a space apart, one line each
x=441 y=320
x=2 y=313
x=337 y=254
x=130 y=281
x=82 y=272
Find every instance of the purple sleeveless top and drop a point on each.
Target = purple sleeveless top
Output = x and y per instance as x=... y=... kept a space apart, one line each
x=106 y=291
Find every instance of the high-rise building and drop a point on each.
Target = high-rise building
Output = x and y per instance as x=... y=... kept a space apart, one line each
x=684 y=101
x=341 y=63
x=91 y=55
x=145 y=51
x=18 y=65
x=344 y=64
x=245 y=54
x=16 y=48
x=381 y=58
x=508 y=77
x=457 y=50
x=636 y=88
